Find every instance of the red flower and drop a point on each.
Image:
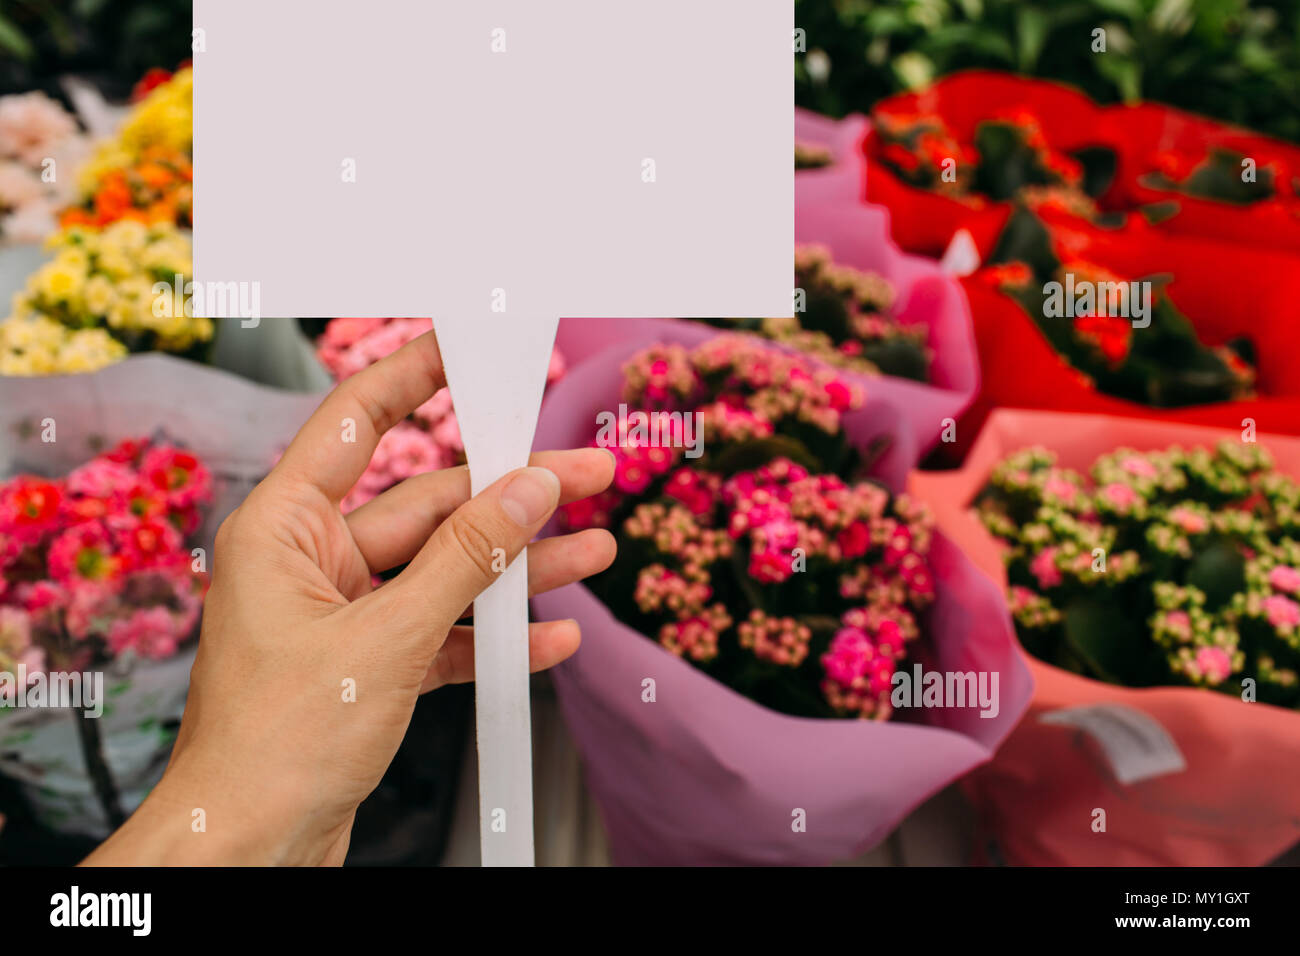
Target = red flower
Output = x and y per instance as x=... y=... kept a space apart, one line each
x=854 y=540
x=29 y=507
x=1110 y=334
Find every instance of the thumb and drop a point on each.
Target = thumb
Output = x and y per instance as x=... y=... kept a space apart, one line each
x=468 y=552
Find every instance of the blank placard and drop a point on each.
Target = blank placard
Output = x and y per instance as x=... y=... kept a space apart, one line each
x=547 y=157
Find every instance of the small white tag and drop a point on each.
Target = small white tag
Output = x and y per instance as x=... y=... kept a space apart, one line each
x=1137 y=746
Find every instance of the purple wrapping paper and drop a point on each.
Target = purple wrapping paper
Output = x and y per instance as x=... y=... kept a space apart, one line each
x=706 y=776
x=858 y=236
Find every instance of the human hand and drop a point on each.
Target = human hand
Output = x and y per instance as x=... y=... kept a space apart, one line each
x=270 y=748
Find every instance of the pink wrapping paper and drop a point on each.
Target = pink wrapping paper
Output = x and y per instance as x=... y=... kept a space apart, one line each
x=706 y=776
x=857 y=236
x=1238 y=801
x=840 y=182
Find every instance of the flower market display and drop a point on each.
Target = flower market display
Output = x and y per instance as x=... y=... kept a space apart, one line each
x=95 y=302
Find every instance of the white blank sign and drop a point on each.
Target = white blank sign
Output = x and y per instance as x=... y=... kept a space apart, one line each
x=582 y=158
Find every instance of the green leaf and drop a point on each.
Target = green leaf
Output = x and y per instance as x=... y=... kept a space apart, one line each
x=1111 y=643
x=1219 y=571
x=746 y=456
x=1031 y=34
x=13 y=40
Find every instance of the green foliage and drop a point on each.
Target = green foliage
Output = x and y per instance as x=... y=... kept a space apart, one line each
x=1237 y=60
x=113 y=41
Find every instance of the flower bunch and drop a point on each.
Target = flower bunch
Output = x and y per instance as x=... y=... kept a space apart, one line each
x=120 y=282
x=844 y=320
x=161 y=123
x=747 y=554
x=96 y=564
x=38 y=138
x=1010 y=158
x=426 y=441
x=1164 y=567
x=156 y=187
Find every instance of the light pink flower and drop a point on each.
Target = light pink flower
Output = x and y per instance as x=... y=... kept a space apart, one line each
x=1214 y=663
x=1285 y=578
x=150 y=632
x=32 y=125
x=1283 y=613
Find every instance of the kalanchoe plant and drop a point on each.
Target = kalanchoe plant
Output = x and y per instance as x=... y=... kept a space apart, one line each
x=846 y=320
x=1160 y=361
x=1159 y=568
x=1009 y=159
x=756 y=561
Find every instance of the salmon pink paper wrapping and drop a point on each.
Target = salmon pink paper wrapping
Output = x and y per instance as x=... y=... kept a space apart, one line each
x=705 y=776
x=1237 y=803
x=856 y=236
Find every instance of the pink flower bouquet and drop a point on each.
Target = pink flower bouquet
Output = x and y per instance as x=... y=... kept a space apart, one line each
x=745 y=662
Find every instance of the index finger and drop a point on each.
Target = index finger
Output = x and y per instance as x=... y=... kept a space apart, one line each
x=332 y=451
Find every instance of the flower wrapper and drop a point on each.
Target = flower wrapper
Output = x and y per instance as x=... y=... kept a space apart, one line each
x=1233 y=805
x=237 y=428
x=856 y=237
x=707 y=776
x=840 y=181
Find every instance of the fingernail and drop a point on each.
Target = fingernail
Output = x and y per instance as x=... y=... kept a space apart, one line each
x=530 y=496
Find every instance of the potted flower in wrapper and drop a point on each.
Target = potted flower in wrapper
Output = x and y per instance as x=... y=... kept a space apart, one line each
x=100 y=586
x=767 y=589
x=1152 y=571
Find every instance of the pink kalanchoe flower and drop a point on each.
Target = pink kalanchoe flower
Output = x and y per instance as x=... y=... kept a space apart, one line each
x=1179 y=623
x=1139 y=466
x=1043 y=567
x=1189 y=521
x=1120 y=495
x=631 y=476
x=83 y=553
x=149 y=632
x=149 y=544
x=1282 y=612
x=1285 y=578
x=178 y=476
x=1214 y=663
x=102 y=478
